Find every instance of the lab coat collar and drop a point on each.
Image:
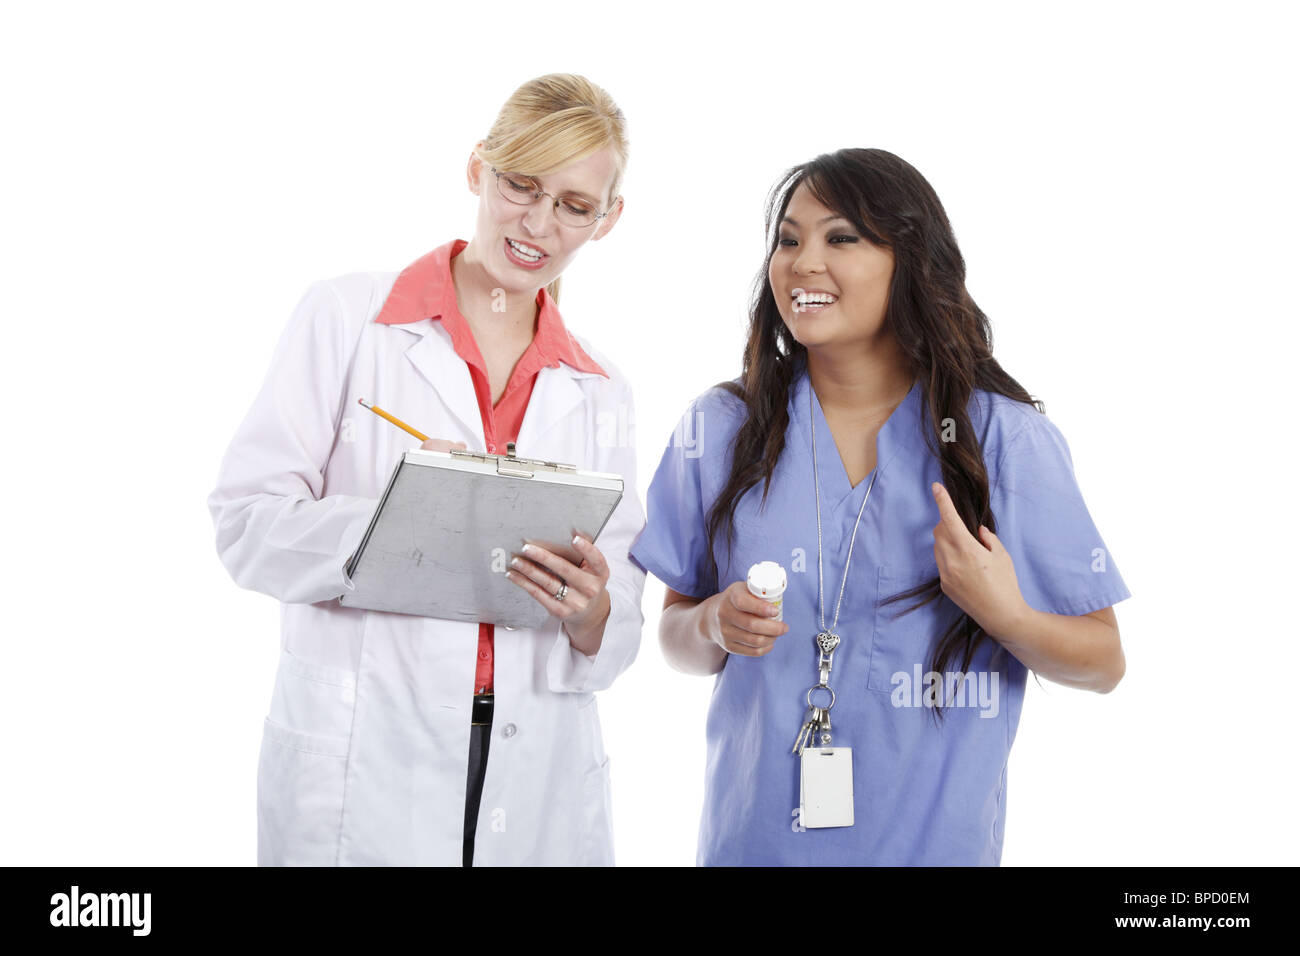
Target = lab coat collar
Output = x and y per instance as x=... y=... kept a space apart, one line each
x=899 y=437
x=425 y=290
x=424 y=304
x=555 y=393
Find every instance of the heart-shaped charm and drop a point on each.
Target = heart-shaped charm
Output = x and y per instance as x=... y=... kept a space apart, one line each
x=827 y=641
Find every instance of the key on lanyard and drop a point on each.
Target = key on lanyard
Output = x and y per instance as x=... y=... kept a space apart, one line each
x=817 y=724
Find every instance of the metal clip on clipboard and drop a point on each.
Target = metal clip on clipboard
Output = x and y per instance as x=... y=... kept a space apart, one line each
x=512 y=465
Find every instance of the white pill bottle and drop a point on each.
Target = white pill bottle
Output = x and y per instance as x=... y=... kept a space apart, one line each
x=766 y=580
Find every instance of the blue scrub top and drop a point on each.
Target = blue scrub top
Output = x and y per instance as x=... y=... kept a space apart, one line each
x=924 y=794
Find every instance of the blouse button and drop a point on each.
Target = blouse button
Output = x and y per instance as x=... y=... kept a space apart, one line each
x=509 y=730
x=492 y=448
x=482 y=655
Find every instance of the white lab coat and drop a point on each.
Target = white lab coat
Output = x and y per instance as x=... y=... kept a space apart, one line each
x=365 y=750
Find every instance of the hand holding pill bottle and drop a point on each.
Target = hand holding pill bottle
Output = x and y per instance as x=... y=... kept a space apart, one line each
x=766 y=580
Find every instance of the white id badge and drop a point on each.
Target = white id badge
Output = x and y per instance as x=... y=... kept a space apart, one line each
x=826 y=787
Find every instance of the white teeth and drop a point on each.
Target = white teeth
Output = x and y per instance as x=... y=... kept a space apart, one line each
x=523 y=251
x=814 y=298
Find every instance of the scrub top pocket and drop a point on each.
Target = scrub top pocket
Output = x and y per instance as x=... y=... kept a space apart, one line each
x=899 y=641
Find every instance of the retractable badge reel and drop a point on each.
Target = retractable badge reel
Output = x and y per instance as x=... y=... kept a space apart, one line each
x=825 y=772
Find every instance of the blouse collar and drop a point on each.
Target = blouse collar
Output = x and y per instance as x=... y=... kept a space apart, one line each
x=424 y=290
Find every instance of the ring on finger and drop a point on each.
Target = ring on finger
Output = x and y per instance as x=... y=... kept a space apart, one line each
x=561 y=591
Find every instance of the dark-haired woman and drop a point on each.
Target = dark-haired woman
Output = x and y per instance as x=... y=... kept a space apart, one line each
x=872 y=446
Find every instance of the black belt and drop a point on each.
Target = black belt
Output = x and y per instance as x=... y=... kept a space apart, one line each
x=482 y=712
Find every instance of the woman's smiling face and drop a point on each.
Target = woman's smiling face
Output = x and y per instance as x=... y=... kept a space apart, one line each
x=831 y=283
x=524 y=247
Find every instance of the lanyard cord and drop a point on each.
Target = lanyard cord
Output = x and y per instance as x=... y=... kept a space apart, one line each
x=821 y=602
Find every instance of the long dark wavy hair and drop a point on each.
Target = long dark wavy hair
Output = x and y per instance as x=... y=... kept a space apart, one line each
x=946 y=338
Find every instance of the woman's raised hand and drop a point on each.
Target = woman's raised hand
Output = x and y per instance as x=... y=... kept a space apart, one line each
x=741 y=623
x=976 y=573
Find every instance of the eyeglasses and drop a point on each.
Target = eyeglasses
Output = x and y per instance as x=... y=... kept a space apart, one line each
x=570 y=210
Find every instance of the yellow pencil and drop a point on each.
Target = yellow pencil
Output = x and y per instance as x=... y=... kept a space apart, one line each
x=396 y=421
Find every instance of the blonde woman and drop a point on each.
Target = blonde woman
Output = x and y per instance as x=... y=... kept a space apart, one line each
x=395 y=739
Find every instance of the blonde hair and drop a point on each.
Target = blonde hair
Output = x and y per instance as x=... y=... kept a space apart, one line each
x=552 y=121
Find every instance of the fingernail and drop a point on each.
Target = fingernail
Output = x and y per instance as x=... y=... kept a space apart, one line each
x=577 y=541
x=527 y=549
x=515 y=563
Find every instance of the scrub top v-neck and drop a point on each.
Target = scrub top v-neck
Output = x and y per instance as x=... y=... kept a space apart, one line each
x=924 y=793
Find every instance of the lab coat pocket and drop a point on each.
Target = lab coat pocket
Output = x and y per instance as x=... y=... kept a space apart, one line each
x=312 y=698
x=589 y=722
x=900 y=642
x=299 y=797
x=598 y=844
x=598 y=819
x=305 y=744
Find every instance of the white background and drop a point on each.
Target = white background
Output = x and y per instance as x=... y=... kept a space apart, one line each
x=1121 y=178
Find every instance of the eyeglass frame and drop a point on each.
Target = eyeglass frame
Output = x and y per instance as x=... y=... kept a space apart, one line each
x=538 y=194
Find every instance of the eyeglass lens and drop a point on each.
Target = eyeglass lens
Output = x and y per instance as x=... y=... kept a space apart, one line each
x=523 y=190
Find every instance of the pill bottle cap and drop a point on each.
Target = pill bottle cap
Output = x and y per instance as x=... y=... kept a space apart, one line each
x=766 y=579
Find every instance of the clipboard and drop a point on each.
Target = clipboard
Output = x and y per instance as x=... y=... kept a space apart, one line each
x=441 y=539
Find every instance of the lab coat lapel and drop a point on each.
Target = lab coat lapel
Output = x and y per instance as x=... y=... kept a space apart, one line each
x=435 y=358
x=555 y=394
